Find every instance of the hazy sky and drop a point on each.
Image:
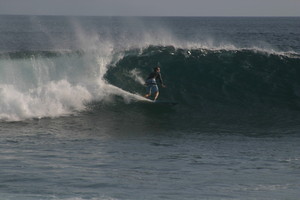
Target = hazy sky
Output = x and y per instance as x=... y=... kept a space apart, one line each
x=153 y=7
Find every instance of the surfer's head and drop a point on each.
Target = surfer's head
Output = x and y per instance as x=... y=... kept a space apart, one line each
x=156 y=69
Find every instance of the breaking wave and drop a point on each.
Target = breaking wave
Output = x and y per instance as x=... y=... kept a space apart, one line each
x=37 y=84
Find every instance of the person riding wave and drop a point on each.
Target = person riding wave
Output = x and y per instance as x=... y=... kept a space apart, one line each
x=151 y=83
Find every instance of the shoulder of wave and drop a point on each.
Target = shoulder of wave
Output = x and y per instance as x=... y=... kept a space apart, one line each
x=233 y=48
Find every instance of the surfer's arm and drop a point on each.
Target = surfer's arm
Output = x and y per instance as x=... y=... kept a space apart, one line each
x=160 y=80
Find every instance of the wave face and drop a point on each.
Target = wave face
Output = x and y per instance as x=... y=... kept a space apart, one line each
x=239 y=87
x=207 y=77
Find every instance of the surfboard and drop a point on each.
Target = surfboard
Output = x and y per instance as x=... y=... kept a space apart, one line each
x=159 y=102
x=165 y=102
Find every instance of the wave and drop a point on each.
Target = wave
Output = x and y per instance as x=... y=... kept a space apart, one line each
x=245 y=77
x=36 y=84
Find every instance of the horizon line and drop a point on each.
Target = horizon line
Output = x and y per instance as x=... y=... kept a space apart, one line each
x=61 y=15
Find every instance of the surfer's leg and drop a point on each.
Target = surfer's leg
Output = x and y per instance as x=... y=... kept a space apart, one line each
x=156 y=92
x=148 y=91
x=156 y=95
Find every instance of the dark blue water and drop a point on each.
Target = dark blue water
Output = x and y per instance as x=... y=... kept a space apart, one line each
x=73 y=124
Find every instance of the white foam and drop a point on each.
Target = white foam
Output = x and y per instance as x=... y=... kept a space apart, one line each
x=52 y=100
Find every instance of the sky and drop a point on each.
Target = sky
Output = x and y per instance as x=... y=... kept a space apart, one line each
x=152 y=7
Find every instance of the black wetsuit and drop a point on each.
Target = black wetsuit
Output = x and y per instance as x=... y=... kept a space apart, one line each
x=151 y=80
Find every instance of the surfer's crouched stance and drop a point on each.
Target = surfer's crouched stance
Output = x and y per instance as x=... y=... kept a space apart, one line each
x=151 y=83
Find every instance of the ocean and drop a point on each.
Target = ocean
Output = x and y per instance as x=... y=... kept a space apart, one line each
x=74 y=124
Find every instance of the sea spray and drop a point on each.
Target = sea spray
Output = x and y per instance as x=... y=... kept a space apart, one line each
x=136 y=75
x=52 y=84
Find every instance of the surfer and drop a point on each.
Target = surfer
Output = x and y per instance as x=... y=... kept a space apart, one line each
x=151 y=83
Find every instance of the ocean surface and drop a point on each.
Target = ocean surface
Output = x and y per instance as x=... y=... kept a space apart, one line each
x=74 y=124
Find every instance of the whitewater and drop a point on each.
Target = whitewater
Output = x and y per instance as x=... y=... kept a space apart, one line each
x=38 y=83
x=74 y=123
